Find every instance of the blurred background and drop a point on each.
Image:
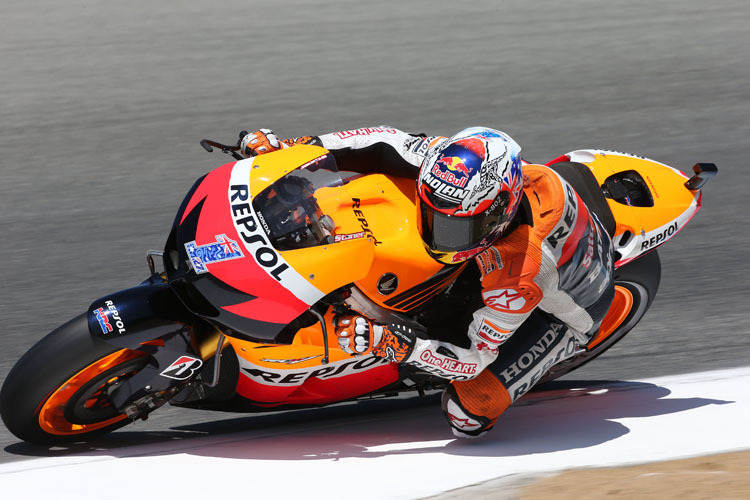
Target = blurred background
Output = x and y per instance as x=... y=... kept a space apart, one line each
x=103 y=104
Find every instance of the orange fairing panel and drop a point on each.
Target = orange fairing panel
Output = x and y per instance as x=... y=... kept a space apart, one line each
x=329 y=267
x=386 y=207
x=640 y=229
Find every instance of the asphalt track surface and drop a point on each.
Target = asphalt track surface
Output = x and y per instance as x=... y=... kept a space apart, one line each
x=102 y=105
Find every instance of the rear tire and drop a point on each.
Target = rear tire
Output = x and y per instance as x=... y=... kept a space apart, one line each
x=641 y=278
x=56 y=392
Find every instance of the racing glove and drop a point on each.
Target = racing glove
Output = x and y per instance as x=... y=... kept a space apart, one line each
x=358 y=336
x=266 y=141
x=260 y=142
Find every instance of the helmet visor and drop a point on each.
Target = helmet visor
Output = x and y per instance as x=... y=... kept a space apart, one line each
x=450 y=233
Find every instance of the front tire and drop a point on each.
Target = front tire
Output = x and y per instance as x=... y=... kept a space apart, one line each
x=636 y=284
x=57 y=391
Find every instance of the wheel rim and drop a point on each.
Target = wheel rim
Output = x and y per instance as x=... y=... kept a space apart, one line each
x=52 y=411
x=618 y=311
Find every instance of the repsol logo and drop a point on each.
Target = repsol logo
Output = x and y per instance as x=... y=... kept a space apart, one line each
x=568 y=219
x=356 y=205
x=286 y=377
x=115 y=315
x=251 y=232
x=659 y=238
x=562 y=351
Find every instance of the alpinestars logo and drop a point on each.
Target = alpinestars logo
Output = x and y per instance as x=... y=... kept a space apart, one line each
x=505 y=299
x=461 y=423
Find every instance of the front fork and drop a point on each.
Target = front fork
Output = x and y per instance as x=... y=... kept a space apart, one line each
x=149 y=318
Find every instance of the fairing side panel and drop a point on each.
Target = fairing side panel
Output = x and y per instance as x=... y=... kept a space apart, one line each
x=401 y=264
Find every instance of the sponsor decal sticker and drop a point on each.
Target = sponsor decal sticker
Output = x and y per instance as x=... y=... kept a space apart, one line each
x=108 y=315
x=115 y=314
x=556 y=345
x=420 y=146
x=565 y=226
x=497 y=259
x=222 y=250
x=486 y=262
x=660 y=237
x=461 y=423
x=347 y=237
x=445 y=190
x=291 y=361
x=271 y=376
x=457 y=172
x=364 y=131
x=505 y=299
x=448 y=364
x=492 y=334
x=182 y=368
x=103 y=320
x=356 y=205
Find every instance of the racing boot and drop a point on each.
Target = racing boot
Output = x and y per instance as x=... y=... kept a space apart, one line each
x=473 y=406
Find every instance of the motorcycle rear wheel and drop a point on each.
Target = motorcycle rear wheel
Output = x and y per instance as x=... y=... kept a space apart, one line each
x=636 y=285
x=57 y=392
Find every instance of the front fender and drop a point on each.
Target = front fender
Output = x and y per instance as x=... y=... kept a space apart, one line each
x=145 y=312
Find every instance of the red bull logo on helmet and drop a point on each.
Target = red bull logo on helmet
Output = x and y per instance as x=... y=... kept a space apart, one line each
x=455 y=175
x=454 y=163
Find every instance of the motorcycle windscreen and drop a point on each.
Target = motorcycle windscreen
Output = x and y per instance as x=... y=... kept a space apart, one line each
x=289 y=210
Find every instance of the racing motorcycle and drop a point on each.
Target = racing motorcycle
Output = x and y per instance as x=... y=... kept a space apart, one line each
x=237 y=313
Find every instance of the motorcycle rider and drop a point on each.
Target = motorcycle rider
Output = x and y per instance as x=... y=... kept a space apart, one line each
x=545 y=261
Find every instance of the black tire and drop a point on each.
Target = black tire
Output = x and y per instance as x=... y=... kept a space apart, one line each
x=44 y=369
x=641 y=277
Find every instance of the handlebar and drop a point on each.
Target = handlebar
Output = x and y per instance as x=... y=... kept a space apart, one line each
x=209 y=146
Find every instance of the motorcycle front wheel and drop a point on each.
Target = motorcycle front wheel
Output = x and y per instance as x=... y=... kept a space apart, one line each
x=58 y=391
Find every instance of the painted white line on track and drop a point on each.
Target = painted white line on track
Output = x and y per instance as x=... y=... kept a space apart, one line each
x=411 y=454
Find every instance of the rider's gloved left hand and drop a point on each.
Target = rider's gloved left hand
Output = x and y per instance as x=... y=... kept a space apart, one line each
x=260 y=142
x=358 y=336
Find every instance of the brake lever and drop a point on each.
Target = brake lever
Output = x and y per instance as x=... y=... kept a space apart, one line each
x=209 y=146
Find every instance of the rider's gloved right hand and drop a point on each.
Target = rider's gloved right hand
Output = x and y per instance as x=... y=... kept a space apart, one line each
x=360 y=336
x=260 y=142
